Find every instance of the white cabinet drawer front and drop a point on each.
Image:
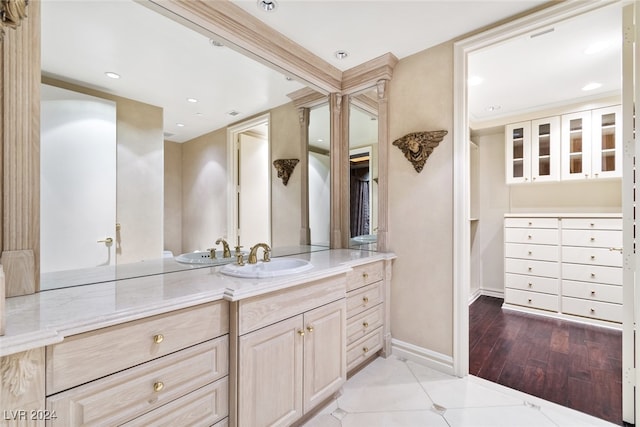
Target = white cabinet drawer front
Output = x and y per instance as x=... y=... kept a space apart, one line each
x=364 y=348
x=592 y=256
x=365 y=322
x=363 y=275
x=592 y=223
x=531 y=299
x=88 y=356
x=592 y=291
x=531 y=222
x=545 y=285
x=270 y=308
x=538 y=236
x=592 y=238
x=534 y=252
x=364 y=298
x=125 y=395
x=201 y=408
x=592 y=273
x=531 y=267
x=592 y=309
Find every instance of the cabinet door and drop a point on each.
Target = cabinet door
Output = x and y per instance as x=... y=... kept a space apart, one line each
x=270 y=374
x=325 y=358
x=576 y=145
x=606 y=147
x=545 y=149
x=518 y=152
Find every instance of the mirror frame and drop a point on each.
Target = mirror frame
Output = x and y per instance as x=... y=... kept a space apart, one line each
x=20 y=130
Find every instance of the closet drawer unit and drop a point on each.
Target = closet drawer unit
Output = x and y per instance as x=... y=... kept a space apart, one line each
x=362 y=349
x=202 y=408
x=592 y=291
x=361 y=324
x=85 y=357
x=592 y=223
x=592 y=238
x=531 y=223
x=537 y=252
x=545 y=285
x=592 y=273
x=538 y=236
x=531 y=299
x=593 y=309
x=130 y=393
x=364 y=298
x=365 y=274
x=592 y=256
x=531 y=267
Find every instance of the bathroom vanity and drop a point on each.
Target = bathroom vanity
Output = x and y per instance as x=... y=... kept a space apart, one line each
x=194 y=347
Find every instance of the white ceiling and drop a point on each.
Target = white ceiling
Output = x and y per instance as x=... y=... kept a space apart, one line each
x=163 y=63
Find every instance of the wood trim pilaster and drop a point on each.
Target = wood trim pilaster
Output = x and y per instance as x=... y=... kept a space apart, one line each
x=337 y=186
x=305 y=231
x=344 y=171
x=384 y=142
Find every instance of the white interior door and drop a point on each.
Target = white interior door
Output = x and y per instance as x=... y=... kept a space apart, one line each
x=254 y=209
x=78 y=180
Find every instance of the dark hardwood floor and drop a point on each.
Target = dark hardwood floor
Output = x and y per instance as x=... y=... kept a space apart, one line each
x=572 y=364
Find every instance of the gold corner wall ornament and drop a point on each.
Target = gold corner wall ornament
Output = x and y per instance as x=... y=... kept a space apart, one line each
x=418 y=146
x=12 y=12
x=285 y=168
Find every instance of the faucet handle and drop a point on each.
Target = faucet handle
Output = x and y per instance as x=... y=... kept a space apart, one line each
x=266 y=257
x=239 y=258
x=212 y=253
x=238 y=252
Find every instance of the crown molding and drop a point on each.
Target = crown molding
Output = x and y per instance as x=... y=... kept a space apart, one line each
x=307 y=97
x=367 y=74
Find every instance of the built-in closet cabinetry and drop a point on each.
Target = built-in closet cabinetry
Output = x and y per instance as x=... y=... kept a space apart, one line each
x=569 y=265
x=580 y=145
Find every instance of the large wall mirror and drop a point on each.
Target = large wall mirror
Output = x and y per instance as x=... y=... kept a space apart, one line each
x=171 y=191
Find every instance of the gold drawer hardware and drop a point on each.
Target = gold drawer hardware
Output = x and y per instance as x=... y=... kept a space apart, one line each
x=301 y=332
x=108 y=241
x=615 y=249
x=310 y=328
x=158 y=386
x=365 y=349
x=365 y=275
x=158 y=338
x=365 y=300
x=365 y=324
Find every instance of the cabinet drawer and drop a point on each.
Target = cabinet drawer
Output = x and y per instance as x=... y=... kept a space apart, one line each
x=592 y=291
x=85 y=357
x=592 y=273
x=132 y=392
x=363 y=275
x=539 y=236
x=531 y=267
x=592 y=223
x=592 y=309
x=264 y=310
x=201 y=408
x=592 y=238
x=531 y=299
x=364 y=348
x=535 y=252
x=592 y=256
x=364 y=298
x=363 y=323
x=531 y=223
x=545 y=285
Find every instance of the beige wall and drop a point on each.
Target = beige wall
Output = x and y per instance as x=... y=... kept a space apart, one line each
x=421 y=205
x=173 y=197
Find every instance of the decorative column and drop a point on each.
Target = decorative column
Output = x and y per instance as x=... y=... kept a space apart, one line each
x=382 y=87
x=337 y=181
x=305 y=231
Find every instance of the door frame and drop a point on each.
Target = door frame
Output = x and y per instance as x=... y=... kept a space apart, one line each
x=461 y=184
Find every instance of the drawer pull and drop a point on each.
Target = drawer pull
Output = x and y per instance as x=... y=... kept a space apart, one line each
x=530 y=223
x=593 y=275
x=365 y=349
x=158 y=386
x=593 y=310
x=158 y=338
x=593 y=257
x=365 y=276
x=593 y=293
x=365 y=300
x=530 y=284
x=365 y=324
x=529 y=300
x=310 y=328
x=615 y=249
x=300 y=332
x=593 y=239
x=529 y=237
x=592 y=224
x=530 y=268
x=529 y=253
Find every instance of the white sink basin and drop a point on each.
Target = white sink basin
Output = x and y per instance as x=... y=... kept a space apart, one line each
x=201 y=257
x=365 y=238
x=275 y=267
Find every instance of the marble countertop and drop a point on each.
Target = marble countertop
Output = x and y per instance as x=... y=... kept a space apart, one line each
x=48 y=317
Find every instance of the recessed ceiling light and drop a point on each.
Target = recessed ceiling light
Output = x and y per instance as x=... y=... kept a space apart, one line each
x=233 y=113
x=192 y=100
x=215 y=43
x=493 y=108
x=180 y=125
x=267 y=5
x=320 y=140
x=341 y=54
x=474 y=80
x=596 y=47
x=199 y=114
x=591 y=86
x=112 y=75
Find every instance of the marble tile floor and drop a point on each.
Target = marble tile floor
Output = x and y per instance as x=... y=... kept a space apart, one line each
x=395 y=392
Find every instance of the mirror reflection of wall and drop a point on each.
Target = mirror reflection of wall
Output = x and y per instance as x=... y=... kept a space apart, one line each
x=319 y=176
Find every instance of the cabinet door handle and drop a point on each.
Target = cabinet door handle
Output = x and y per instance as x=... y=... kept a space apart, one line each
x=158 y=338
x=108 y=241
x=158 y=386
x=310 y=328
x=301 y=332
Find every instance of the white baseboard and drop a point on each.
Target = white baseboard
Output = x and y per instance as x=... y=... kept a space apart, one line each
x=474 y=295
x=485 y=292
x=422 y=356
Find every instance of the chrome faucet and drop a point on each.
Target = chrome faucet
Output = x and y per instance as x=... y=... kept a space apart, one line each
x=253 y=253
x=226 y=253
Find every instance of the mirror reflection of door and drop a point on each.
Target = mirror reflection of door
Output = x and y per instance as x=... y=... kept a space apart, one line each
x=78 y=180
x=360 y=192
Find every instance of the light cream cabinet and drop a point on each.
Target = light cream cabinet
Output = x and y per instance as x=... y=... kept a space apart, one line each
x=137 y=372
x=533 y=151
x=570 y=265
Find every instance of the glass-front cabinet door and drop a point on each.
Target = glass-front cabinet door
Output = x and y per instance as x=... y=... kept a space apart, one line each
x=576 y=145
x=606 y=142
x=518 y=152
x=545 y=149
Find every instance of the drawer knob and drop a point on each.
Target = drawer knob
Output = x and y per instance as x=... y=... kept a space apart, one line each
x=529 y=300
x=529 y=237
x=530 y=284
x=365 y=275
x=593 y=275
x=529 y=253
x=530 y=223
x=310 y=328
x=158 y=338
x=593 y=293
x=530 y=268
x=158 y=386
x=365 y=300
x=301 y=332
x=593 y=257
x=593 y=310
x=365 y=349
x=592 y=224
x=593 y=239
x=365 y=324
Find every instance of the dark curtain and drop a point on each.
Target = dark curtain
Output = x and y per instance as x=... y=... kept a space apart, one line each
x=359 y=202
